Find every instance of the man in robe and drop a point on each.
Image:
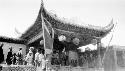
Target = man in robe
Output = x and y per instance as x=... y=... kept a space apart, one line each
x=1 y=54
x=29 y=58
x=9 y=57
x=20 y=56
x=42 y=61
x=33 y=51
x=36 y=58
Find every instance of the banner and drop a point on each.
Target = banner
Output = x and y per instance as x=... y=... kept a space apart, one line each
x=47 y=36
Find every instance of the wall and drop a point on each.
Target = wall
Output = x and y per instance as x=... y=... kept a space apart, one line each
x=15 y=48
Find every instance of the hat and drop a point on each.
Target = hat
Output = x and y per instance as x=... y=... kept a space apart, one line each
x=30 y=52
x=31 y=47
x=20 y=47
x=10 y=48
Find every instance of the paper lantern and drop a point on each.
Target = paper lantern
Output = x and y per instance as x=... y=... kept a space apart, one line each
x=76 y=41
x=41 y=42
x=62 y=38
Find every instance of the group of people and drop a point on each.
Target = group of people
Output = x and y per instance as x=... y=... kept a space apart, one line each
x=14 y=58
x=89 y=58
x=32 y=58
x=37 y=59
x=59 y=59
x=84 y=58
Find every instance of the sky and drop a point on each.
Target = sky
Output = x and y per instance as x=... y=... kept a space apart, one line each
x=21 y=14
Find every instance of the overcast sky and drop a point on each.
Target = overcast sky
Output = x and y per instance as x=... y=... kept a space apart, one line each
x=21 y=14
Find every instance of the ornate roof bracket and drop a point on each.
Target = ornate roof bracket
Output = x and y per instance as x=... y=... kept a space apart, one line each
x=38 y=36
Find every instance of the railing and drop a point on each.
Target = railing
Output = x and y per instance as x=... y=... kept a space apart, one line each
x=69 y=68
x=18 y=68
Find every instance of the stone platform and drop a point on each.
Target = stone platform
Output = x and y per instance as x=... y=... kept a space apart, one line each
x=18 y=68
x=54 y=68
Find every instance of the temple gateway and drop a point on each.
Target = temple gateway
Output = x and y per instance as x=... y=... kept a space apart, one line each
x=75 y=35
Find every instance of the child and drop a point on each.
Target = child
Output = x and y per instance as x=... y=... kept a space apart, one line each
x=14 y=59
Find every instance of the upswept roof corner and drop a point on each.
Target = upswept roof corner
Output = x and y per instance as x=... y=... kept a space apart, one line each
x=11 y=40
x=99 y=28
x=59 y=24
x=64 y=26
x=33 y=29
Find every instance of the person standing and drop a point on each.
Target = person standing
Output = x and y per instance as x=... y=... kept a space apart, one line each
x=24 y=60
x=33 y=52
x=36 y=58
x=14 y=60
x=9 y=57
x=29 y=58
x=1 y=54
x=20 y=56
x=42 y=61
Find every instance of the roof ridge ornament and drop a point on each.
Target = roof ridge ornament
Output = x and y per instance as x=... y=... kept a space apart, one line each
x=42 y=5
x=42 y=2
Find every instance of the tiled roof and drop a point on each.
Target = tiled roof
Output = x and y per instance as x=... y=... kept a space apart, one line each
x=11 y=40
x=62 y=27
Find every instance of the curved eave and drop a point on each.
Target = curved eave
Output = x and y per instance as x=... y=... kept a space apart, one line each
x=62 y=25
x=34 y=29
x=11 y=40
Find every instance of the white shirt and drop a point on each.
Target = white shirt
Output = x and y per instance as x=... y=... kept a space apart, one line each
x=42 y=61
x=41 y=56
x=37 y=56
x=29 y=57
x=91 y=46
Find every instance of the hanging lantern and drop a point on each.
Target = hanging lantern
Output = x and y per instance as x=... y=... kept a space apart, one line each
x=62 y=38
x=76 y=41
x=41 y=42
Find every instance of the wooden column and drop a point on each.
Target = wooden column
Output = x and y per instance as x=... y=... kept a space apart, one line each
x=48 y=62
x=99 y=63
